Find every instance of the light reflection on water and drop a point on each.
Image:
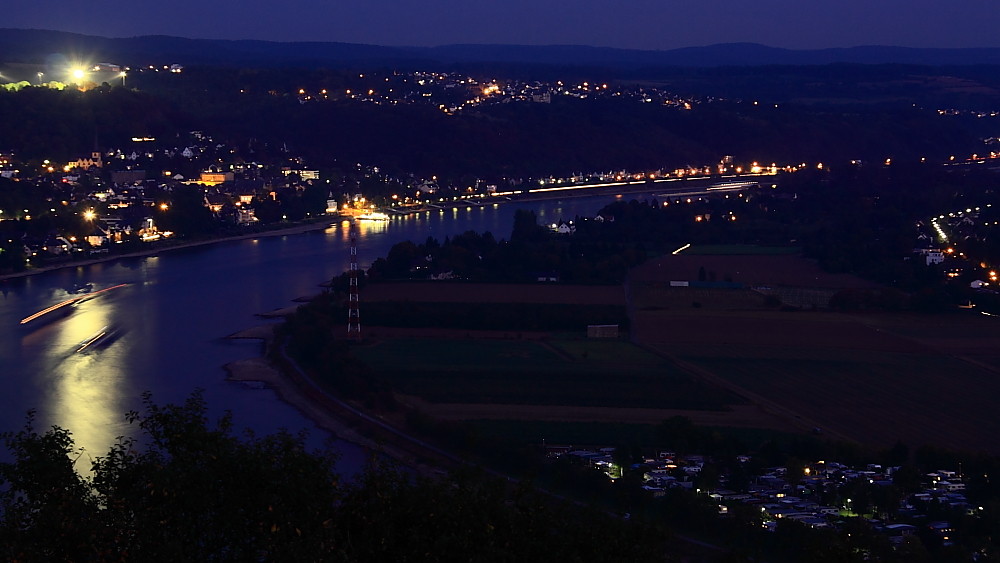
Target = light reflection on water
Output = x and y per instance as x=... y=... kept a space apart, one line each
x=175 y=314
x=86 y=392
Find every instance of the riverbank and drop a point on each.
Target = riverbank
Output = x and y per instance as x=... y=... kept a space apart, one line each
x=556 y=194
x=619 y=189
x=259 y=370
x=152 y=251
x=347 y=422
x=663 y=187
x=635 y=187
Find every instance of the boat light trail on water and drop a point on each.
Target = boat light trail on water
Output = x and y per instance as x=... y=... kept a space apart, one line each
x=62 y=304
x=93 y=339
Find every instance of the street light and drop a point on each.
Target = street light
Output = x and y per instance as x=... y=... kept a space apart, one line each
x=122 y=75
x=40 y=75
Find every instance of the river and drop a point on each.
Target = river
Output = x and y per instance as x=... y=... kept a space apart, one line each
x=174 y=315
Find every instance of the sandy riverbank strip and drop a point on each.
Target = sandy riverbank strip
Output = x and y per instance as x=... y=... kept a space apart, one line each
x=260 y=370
x=297 y=229
x=280 y=313
x=302 y=395
x=259 y=332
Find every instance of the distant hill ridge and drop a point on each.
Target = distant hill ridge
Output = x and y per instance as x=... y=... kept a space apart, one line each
x=37 y=46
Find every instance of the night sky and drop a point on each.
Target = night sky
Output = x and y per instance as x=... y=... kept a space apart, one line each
x=638 y=24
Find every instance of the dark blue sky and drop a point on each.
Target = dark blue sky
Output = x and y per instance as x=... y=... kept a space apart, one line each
x=640 y=24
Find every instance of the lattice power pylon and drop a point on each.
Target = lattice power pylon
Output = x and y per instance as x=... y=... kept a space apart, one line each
x=354 y=298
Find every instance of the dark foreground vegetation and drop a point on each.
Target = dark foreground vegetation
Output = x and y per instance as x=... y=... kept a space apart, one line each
x=191 y=489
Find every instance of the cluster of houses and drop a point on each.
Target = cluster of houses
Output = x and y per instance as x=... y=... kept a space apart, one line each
x=940 y=241
x=779 y=497
x=121 y=198
x=118 y=201
x=454 y=92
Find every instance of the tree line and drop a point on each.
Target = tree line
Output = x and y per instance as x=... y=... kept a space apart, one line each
x=193 y=489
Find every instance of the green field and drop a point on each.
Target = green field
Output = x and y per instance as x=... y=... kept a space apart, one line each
x=448 y=354
x=517 y=317
x=607 y=351
x=569 y=372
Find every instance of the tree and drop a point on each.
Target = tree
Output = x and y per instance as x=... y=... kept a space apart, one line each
x=11 y=255
x=526 y=227
x=194 y=492
x=190 y=489
x=267 y=210
x=400 y=259
x=794 y=470
x=47 y=511
x=188 y=215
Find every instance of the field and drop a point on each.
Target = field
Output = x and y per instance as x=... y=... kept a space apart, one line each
x=459 y=292
x=772 y=269
x=873 y=378
x=598 y=433
x=571 y=373
x=876 y=398
x=741 y=250
x=721 y=357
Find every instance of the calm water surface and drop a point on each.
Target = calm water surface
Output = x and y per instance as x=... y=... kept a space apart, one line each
x=175 y=313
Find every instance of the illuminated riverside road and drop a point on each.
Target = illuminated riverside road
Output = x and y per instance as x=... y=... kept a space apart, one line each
x=173 y=316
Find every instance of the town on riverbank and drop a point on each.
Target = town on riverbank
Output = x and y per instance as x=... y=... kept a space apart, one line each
x=106 y=214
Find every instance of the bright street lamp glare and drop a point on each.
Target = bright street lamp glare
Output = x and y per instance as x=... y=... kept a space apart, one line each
x=78 y=73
